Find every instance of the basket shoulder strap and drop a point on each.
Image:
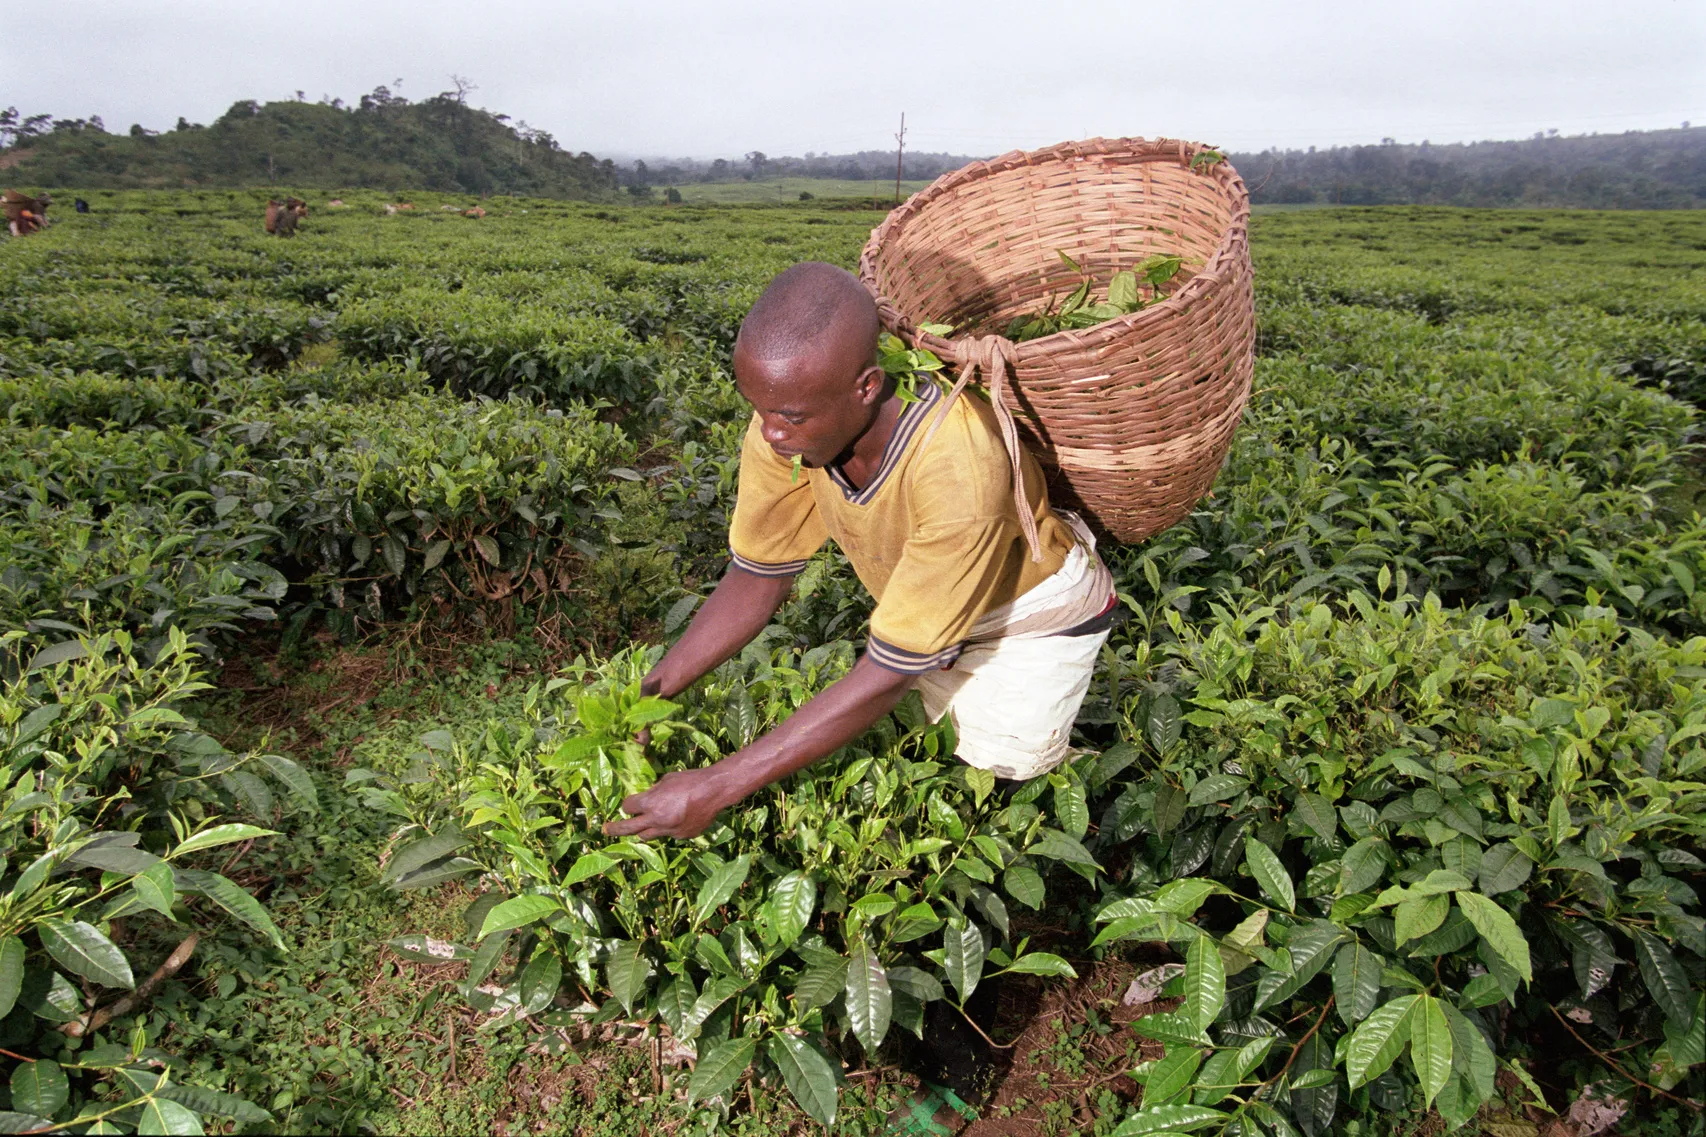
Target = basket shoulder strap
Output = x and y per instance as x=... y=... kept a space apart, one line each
x=993 y=355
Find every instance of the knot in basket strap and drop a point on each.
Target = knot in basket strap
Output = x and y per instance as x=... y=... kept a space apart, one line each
x=993 y=355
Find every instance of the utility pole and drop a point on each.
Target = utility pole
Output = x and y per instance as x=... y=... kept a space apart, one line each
x=900 y=150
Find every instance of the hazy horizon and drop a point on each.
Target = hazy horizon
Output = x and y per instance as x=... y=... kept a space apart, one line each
x=679 y=80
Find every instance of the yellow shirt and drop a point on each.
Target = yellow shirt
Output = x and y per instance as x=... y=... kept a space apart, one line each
x=934 y=536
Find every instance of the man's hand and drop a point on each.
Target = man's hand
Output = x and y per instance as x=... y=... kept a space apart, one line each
x=685 y=802
x=682 y=804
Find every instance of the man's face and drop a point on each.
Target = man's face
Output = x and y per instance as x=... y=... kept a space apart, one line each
x=812 y=406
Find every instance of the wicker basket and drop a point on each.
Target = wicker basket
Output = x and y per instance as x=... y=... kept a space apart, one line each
x=1133 y=417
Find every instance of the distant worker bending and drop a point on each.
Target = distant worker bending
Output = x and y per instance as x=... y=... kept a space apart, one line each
x=925 y=511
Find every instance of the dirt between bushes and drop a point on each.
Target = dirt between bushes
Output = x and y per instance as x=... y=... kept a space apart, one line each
x=1059 y=1047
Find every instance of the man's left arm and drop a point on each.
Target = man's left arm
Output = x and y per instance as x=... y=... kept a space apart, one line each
x=685 y=802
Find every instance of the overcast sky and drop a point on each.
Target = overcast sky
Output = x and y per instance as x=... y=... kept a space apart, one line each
x=706 y=79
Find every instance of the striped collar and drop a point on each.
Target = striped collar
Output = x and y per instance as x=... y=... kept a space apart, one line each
x=912 y=416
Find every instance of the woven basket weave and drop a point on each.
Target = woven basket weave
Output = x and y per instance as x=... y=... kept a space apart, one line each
x=1132 y=418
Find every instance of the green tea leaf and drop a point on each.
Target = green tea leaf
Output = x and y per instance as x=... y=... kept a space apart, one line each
x=587 y=866
x=1234 y=946
x=869 y=1002
x=822 y=985
x=1174 y=1118
x=1418 y=916
x=1172 y=1028
x=980 y=782
x=1165 y=723
x=723 y=882
x=1072 y=809
x=518 y=912
x=164 y=1116
x=1057 y=846
x=39 y=1087
x=154 y=888
x=1499 y=929
x=1317 y=815
x=1183 y=897
x=1376 y=1044
x=1042 y=963
x=1216 y=788
x=1362 y=866
x=1170 y=804
x=1666 y=981
x=418 y=854
x=1122 y=290
x=963 y=944
x=627 y=971
x=809 y=1076
x=1171 y=1076
x=540 y=981
x=1504 y=867
x=719 y=1067
x=1269 y=873
x=921 y=985
x=295 y=779
x=1430 y=1047
x=235 y=900
x=1024 y=885
x=1356 y=982
x=1205 y=981
x=220 y=835
x=215 y=1103
x=793 y=899
x=11 y=973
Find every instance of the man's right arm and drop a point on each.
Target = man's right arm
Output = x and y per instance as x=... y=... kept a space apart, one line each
x=735 y=612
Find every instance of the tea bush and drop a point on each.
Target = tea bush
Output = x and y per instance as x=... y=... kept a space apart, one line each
x=425 y=495
x=486 y=343
x=110 y=796
x=810 y=922
x=1396 y=750
x=1444 y=829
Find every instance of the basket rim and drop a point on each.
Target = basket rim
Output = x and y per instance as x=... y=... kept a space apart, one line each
x=1235 y=237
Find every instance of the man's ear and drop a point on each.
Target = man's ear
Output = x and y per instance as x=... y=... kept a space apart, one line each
x=870 y=384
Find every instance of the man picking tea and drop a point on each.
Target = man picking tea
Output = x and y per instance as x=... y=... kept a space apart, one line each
x=920 y=497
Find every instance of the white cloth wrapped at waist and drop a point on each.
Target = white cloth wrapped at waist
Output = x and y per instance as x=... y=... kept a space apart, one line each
x=1015 y=689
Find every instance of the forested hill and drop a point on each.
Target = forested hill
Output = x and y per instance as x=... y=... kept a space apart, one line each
x=1655 y=169
x=1659 y=169
x=385 y=142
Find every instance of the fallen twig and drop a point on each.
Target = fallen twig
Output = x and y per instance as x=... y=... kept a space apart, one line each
x=100 y=1018
x=1609 y=1061
x=986 y=1038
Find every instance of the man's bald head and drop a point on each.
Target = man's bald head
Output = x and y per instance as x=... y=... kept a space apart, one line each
x=813 y=310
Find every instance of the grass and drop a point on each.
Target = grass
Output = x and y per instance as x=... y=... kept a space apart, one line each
x=789 y=189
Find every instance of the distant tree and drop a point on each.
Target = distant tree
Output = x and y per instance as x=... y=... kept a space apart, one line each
x=757 y=161
x=460 y=88
x=720 y=169
x=672 y=195
x=381 y=97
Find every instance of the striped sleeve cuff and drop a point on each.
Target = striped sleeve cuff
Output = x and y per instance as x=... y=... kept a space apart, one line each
x=768 y=568
x=892 y=658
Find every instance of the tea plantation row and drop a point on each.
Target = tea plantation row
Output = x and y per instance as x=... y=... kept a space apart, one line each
x=1400 y=749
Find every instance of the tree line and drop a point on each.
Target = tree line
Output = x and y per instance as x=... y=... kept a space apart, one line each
x=384 y=141
x=442 y=143
x=1662 y=169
